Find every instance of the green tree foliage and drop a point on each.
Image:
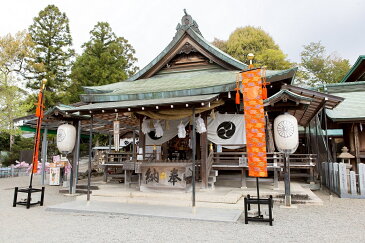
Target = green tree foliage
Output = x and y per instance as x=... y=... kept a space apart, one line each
x=254 y=40
x=319 y=68
x=20 y=144
x=13 y=52
x=106 y=59
x=53 y=54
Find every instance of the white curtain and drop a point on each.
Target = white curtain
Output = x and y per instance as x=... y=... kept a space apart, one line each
x=227 y=129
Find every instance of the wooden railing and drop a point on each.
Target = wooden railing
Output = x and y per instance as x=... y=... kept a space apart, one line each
x=210 y=162
x=239 y=159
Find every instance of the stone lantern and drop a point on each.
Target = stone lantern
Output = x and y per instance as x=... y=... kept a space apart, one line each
x=345 y=155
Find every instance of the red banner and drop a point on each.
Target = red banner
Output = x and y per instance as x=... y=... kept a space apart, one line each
x=37 y=137
x=255 y=123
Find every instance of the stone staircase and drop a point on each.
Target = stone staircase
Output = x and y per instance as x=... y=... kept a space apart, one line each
x=212 y=178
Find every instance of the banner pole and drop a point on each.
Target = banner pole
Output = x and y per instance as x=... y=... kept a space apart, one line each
x=258 y=196
x=287 y=180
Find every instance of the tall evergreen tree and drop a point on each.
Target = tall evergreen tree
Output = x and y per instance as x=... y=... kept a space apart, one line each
x=106 y=59
x=50 y=32
x=254 y=40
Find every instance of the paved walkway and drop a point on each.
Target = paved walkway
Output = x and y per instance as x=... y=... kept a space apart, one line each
x=205 y=214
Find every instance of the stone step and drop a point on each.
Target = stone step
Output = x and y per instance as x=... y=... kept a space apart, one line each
x=213 y=173
x=211 y=185
x=82 y=186
x=78 y=191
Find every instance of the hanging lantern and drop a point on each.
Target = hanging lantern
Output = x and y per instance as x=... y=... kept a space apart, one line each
x=286 y=133
x=66 y=138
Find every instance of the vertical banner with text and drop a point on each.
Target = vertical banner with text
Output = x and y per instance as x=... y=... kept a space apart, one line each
x=255 y=122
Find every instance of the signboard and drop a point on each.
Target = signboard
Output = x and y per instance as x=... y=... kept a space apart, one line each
x=54 y=176
x=166 y=176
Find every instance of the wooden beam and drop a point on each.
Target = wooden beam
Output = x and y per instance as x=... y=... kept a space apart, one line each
x=357 y=144
x=317 y=110
x=204 y=152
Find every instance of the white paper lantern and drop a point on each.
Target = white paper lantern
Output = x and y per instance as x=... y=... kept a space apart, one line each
x=286 y=133
x=66 y=138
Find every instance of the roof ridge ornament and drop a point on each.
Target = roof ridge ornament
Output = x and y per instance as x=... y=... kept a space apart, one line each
x=188 y=22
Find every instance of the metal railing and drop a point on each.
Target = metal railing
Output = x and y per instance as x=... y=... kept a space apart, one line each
x=12 y=172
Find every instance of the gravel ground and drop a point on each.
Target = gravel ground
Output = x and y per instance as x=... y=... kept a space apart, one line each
x=339 y=220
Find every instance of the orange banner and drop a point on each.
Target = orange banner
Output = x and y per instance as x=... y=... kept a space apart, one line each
x=255 y=123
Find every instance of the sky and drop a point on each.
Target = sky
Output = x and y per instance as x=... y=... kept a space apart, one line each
x=150 y=25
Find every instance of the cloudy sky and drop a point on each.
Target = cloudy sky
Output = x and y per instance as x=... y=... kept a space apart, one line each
x=150 y=25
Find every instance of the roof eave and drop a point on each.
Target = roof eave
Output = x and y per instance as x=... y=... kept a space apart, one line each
x=359 y=60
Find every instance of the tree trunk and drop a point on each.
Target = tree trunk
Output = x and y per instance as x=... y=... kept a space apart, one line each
x=12 y=140
x=12 y=137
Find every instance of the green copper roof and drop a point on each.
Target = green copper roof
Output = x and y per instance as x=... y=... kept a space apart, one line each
x=352 y=108
x=182 y=30
x=341 y=87
x=285 y=92
x=177 y=84
x=145 y=103
x=330 y=132
x=359 y=60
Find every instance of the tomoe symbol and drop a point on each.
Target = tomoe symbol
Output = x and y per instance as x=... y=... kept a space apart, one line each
x=152 y=135
x=226 y=130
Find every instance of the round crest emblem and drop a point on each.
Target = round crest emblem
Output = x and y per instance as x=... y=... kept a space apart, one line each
x=285 y=129
x=152 y=135
x=226 y=130
x=61 y=135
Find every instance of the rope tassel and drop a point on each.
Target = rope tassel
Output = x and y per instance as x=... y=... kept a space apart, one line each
x=238 y=97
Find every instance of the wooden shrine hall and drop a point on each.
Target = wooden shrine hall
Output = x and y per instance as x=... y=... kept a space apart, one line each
x=181 y=107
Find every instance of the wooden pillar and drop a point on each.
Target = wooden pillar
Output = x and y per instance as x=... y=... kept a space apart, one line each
x=110 y=142
x=75 y=158
x=77 y=154
x=90 y=155
x=44 y=154
x=134 y=146
x=352 y=139
x=357 y=144
x=204 y=153
x=142 y=138
x=193 y=143
x=334 y=148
